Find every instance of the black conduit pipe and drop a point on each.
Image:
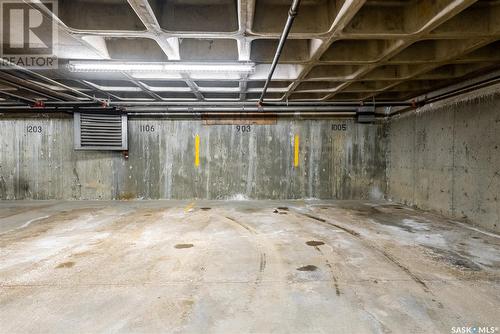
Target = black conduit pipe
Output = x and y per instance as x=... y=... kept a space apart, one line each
x=284 y=35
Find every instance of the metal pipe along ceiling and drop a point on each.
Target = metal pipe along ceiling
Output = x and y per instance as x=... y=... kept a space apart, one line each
x=229 y=104
x=13 y=66
x=241 y=110
x=286 y=30
x=201 y=112
x=237 y=115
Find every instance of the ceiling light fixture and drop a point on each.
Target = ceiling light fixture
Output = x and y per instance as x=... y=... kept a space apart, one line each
x=175 y=67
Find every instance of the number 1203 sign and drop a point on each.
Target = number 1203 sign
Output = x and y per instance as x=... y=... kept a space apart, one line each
x=34 y=129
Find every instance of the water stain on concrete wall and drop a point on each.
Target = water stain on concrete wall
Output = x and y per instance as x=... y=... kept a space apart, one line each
x=445 y=157
x=256 y=164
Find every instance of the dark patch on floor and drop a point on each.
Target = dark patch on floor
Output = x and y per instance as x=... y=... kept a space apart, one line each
x=384 y=253
x=241 y=224
x=180 y=246
x=400 y=225
x=454 y=258
x=389 y=215
x=16 y=211
x=247 y=209
x=283 y=208
x=374 y=247
x=314 y=217
x=403 y=267
x=309 y=267
x=205 y=209
x=328 y=265
x=314 y=243
x=263 y=262
x=44 y=225
x=65 y=265
x=345 y=229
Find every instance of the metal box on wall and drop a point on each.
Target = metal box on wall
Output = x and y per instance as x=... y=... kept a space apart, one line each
x=103 y=131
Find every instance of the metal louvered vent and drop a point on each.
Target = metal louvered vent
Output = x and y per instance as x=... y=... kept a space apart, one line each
x=100 y=131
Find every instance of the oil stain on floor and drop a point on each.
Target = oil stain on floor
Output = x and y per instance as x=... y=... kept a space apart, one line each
x=65 y=265
x=181 y=246
x=314 y=243
x=309 y=267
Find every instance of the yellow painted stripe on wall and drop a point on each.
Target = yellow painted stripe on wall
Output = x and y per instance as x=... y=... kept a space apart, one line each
x=197 y=151
x=296 y=149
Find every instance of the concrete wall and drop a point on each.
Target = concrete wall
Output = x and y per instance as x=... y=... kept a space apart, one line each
x=446 y=157
x=259 y=164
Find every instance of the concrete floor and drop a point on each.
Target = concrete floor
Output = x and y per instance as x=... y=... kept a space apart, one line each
x=239 y=267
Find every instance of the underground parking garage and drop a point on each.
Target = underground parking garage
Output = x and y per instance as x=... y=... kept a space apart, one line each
x=260 y=166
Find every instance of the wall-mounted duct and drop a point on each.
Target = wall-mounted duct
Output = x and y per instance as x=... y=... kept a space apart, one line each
x=100 y=131
x=366 y=114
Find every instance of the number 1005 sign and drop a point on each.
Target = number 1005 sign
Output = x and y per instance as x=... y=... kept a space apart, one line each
x=339 y=127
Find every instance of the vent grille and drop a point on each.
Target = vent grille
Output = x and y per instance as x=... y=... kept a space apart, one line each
x=100 y=131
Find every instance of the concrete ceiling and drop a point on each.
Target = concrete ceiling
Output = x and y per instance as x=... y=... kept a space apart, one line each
x=385 y=50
